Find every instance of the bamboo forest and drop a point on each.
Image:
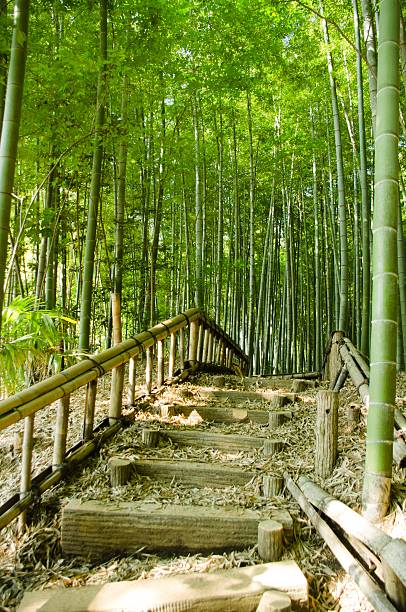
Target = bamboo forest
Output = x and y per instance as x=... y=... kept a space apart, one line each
x=203 y=305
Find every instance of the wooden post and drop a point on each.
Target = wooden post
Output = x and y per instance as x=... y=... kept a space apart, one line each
x=148 y=369
x=230 y=358
x=206 y=345
x=90 y=403
x=193 y=341
x=160 y=374
x=277 y=401
x=172 y=356
x=272 y=446
x=150 y=437
x=353 y=415
x=26 y=463
x=131 y=380
x=277 y=418
x=219 y=381
x=121 y=470
x=326 y=432
x=274 y=601
x=181 y=349
x=299 y=385
x=61 y=431
x=272 y=485
x=334 y=361
x=270 y=540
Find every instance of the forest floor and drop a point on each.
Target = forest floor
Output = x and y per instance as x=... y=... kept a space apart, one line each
x=34 y=560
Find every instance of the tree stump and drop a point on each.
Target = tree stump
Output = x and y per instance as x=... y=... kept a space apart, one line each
x=272 y=485
x=272 y=446
x=274 y=601
x=278 y=417
x=219 y=381
x=299 y=385
x=121 y=470
x=150 y=437
x=353 y=415
x=270 y=540
x=326 y=432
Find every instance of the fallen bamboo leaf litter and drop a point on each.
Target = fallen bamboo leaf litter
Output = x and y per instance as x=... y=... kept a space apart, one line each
x=35 y=560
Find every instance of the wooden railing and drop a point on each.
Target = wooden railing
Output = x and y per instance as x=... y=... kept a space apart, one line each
x=206 y=342
x=343 y=359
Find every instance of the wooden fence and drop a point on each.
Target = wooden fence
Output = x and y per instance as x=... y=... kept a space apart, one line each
x=343 y=359
x=193 y=339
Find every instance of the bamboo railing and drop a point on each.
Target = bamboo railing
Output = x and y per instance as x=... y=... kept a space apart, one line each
x=343 y=359
x=207 y=343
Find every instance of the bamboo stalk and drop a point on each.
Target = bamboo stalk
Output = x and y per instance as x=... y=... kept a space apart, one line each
x=206 y=345
x=172 y=356
x=361 y=578
x=131 y=380
x=26 y=463
x=193 y=341
x=181 y=349
x=61 y=431
x=210 y=347
x=160 y=364
x=90 y=404
x=200 y=343
x=148 y=370
x=390 y=550
x=116 y=394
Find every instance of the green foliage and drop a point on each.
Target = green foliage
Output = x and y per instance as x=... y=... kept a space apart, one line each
x=30 y=344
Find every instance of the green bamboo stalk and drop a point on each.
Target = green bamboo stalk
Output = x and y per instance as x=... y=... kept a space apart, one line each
x=90 y=246
x=342 y=216
x=382 y=390
x=11 y=128
x=365 y=203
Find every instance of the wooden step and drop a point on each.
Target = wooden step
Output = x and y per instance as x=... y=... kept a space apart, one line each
x=204 y=439
x=235 y=590
x=233 y=396
x=222 y=414
x=104 y=529
x=196 y=474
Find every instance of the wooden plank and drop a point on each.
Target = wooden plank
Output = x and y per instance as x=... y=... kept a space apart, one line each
x=227 y=414
x=213 y=414
x=203 y=439
x=194 y=474
x=243 y=396
x=102 y=529
x=238 y=590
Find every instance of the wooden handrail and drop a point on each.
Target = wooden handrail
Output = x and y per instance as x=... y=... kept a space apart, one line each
x=207 y=343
